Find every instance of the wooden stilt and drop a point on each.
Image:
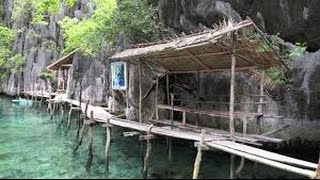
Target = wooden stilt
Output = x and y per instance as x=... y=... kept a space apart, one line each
x=49 y=102
x=140 y=93
x=231 y=106
x=62 y=110
x=260 y=106
x=148 y=137
x=259 y=119
x=90 y=145
x=79 y=112
x=232 y=166
x=69 y=117
x=156 y=99
x=200 y=146
x=108 y=139
x=197 y=97
x=242 y=162
x=184 y=118
x=128 y=86
x=84 y=125
x=172 y=110
x=169 y=140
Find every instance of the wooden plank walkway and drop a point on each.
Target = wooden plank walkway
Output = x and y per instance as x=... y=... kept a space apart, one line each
x=286 y=163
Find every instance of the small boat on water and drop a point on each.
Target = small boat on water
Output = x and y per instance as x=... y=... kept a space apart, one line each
x=22 y=102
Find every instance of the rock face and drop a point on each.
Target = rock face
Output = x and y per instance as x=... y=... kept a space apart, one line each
x=294 y=20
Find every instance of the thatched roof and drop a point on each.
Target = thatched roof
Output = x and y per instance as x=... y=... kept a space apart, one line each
x=63 y=63
x=209 y=50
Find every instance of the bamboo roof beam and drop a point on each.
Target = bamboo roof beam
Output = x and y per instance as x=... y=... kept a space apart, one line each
x=197 y=60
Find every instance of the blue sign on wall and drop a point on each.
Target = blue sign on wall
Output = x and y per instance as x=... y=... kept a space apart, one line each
x=119 y=75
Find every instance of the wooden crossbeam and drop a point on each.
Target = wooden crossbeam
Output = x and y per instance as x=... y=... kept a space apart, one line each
x=197 y=60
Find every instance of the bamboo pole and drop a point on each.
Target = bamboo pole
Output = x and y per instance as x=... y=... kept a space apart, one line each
x=148 y=152
x=242 y=162
x=197 y=162
x=232 y=166
x=169 y=141
x=84 y=124
x=172 y=110
x=127 y=85
x=140 y=93
x=197 y=97
x=79 y=112
x=260 y=107
x=90 y=145
x=156 y=98
x=69 y=117
x=231 y=106
x=260 y=110
x=184 y=118
x=108 y=139
x=62 y=110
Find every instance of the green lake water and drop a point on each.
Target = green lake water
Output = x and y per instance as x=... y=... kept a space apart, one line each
x=32 y=146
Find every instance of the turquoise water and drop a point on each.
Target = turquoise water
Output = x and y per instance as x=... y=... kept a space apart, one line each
x=32 y=146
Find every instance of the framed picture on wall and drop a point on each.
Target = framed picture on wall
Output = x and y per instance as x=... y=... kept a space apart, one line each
x=119 y=75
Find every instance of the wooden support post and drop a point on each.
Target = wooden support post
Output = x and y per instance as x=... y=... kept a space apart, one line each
x=232 y=166
x=90 y=145
x=108 y=139
x=156 y=99
x=169 y=141
x=113 y=101
x=127 y=86
x=231 y=106
x=200 y=146
x=197 y=97
x=49 y=102
x=172 y=110
x=259 y=119
x=62 y=110
x=83 y=125
x=140 y=92
x=148 y=137
x=168 y=89
x=69 y=117
x=260 y=106
x=79 y=112
x=184 y=118
x=242 y=162
x=318 y=170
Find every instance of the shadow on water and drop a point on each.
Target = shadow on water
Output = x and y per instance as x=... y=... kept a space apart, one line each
x=32 y=146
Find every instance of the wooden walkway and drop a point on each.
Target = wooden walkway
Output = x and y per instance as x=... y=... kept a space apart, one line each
x=211 y=139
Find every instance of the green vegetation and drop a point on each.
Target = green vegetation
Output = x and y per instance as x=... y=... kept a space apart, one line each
x=38 y=9
x=133 y=19
x=48 y=75
x=21 y=8
x=277 y=75
x=17 y=62
x=298 y=51
x=9 y=62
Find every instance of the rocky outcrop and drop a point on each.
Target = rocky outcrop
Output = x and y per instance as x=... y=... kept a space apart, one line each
x=294 y=20
x=40 y=44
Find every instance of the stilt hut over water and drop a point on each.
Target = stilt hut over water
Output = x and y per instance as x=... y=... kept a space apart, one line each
x=62 y=67
x=230 y=47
